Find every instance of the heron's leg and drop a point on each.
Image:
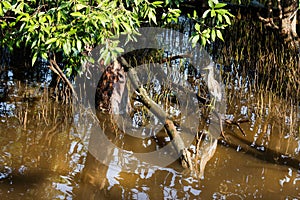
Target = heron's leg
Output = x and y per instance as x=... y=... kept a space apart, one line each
x=221 y=125
x=220 y=117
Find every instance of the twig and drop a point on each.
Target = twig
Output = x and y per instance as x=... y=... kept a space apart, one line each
x=8 y=17
x=268 y=22
x=237 y=123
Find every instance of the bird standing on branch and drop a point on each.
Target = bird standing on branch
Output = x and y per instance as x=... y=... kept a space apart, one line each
x=215 y=91
x=214 y=86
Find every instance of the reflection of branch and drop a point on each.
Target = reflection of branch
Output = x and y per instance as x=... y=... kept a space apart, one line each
x=237 y=123
x=267 y=154
x=168 y=59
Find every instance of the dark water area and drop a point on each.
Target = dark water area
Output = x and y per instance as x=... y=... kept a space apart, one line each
x=44 y=144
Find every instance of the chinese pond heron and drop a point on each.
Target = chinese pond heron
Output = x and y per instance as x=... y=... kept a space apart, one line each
x=215 y=90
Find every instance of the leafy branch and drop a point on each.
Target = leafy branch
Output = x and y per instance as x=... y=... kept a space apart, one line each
x=220 y=18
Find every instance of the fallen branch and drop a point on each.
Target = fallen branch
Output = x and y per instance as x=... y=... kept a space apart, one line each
x=159 y=113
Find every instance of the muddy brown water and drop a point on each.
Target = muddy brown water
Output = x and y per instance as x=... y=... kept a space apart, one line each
x=44 y=155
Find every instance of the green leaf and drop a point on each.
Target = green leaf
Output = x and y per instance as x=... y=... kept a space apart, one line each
x=6 y=5
x=76 y=14
x=210 y=4
x=119 y=49
x=28 y=38
x=69 y=71
x=79 y=45
x=33 y=43
x=107 y=58
x=219 y=35
x=197 y=27
x=35 y=55
x=213 y=35
x=67 y=48
x=227 y=19
x=156 y=3
x=152 y=17
x=195 y=15
x=220 y=18
x=195 y=39
x=203 y=41
x=1 y=11
x=58 y=16
x=80 y=6
x=20 y=7
x=205 y=13
x=51 y=40
x=222 y=11
x=44 y=55
x=57 y=43
x=206 y=33
x=213 y=13
x=49 y=19
x=12 y=24
x=220 y=5
x=127 y=27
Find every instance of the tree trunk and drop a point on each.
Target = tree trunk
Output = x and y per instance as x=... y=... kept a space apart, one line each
x=288 y=16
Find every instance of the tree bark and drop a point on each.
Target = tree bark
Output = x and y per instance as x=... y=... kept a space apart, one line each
x=288 y=22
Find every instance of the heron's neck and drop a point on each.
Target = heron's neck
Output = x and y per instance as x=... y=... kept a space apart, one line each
x=211 y=73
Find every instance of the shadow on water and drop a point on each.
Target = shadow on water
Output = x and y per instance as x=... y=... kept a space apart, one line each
x=44 y=156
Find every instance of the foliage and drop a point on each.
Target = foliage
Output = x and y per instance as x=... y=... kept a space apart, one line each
x=73 y=27
x=220 y=18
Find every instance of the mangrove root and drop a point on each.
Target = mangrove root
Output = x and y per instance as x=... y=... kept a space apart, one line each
x=56 y=69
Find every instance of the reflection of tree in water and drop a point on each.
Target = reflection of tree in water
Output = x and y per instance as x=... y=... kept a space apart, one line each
x=271 y=133
x=35 y=141
x=105 y=182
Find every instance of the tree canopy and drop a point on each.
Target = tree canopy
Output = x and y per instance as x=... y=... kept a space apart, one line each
x=72 y=27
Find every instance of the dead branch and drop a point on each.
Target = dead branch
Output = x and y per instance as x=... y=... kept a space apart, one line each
x=159 y=112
